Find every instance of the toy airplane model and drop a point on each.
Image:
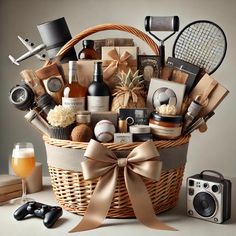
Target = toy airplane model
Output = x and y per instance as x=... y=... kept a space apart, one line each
x=31 y=52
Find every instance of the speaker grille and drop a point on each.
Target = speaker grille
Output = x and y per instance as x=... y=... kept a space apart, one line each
x=204 y=204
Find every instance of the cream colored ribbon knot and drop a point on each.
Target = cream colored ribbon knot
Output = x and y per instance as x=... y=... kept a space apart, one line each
x=102 y=163
x=120 y=62
x=122 y=162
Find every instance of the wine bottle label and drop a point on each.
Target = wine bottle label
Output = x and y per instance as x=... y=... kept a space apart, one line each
x=98 y=103
x=76 y=104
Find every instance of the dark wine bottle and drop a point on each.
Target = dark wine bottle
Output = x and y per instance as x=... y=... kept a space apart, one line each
x=98 y=91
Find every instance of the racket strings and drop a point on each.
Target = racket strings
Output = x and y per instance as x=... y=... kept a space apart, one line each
x=202 y=44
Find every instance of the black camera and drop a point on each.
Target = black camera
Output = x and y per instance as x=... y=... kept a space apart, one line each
x=209 y=197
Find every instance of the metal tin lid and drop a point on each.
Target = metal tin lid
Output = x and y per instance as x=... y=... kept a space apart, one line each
x=83 y=117
x=139 y=129
x=173 y=119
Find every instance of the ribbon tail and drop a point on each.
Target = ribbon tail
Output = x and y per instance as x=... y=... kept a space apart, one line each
x=100 y=202
x=110 y=70
x=141 y=202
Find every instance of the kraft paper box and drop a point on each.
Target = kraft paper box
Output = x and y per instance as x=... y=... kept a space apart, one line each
x=117 y=59
x=84 y=72
x=99 y=43
x=212 y=90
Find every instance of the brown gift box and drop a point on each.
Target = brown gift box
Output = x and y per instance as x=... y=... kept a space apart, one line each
x=117 y=59
x=99 y=43
x=211 y=93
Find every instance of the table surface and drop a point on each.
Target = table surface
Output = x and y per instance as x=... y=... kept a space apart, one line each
x=175 y=217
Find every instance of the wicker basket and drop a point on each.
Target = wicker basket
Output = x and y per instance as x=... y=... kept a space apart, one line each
x=73 y=193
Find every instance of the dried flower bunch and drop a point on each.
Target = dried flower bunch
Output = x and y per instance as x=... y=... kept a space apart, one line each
x=129 y=93
x=61 y=116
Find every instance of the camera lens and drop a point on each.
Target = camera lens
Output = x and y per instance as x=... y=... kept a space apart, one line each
x=130 y=120
x=215 y=188
x=204 y=204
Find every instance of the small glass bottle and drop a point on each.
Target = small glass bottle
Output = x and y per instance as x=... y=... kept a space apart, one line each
x=83 y=117
x=98 y=91
x=74 y=94
x=88 y=52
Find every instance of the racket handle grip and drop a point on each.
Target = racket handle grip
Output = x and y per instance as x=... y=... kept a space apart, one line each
x=162 y=54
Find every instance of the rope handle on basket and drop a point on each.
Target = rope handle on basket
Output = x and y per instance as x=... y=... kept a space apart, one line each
x=129 y=29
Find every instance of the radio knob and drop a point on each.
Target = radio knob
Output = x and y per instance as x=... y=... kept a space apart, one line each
x=215 y=188
x=190 y=212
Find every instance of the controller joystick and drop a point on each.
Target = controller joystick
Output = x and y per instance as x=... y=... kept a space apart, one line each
x=30 y=207
x=49 y=214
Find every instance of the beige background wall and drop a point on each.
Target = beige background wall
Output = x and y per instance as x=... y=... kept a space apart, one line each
x=215 y=149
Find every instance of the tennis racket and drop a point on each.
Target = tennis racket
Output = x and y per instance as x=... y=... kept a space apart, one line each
x=202 y=43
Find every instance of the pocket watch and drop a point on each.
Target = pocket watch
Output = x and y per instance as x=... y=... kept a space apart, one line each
x=54 y=86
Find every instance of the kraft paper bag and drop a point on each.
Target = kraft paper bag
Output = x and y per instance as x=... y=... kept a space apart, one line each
x=211 y=92
x=84 y=71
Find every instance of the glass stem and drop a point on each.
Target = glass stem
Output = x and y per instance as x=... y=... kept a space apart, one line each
x=23 y=198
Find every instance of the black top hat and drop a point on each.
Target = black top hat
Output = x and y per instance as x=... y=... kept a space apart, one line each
x=54 y=35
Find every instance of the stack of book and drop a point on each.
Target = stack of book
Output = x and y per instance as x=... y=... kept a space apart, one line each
x=10 y=187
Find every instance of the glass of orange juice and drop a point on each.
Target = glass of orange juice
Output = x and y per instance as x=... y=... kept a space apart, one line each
x=23 y=163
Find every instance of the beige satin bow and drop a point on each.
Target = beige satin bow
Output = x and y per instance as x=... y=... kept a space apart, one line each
x=103 y=164
x=120 y=62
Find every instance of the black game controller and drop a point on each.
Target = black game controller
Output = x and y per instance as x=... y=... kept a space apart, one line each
x=49 y=214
